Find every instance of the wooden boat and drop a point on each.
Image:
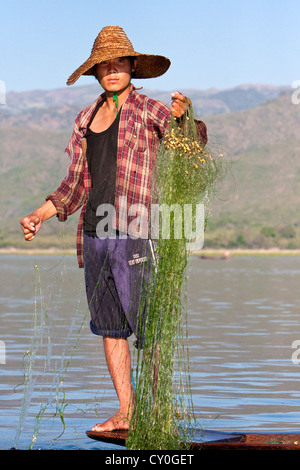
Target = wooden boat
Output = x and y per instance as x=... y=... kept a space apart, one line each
x=215 y=440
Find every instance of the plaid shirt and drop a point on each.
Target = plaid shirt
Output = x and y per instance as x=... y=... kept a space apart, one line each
x=143 y=122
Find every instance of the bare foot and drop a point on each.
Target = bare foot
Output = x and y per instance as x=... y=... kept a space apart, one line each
x=117 y=422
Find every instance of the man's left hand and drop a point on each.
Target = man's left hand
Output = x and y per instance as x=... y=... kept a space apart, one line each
x=179 y=104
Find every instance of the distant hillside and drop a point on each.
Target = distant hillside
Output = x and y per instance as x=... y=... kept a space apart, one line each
x=57 y=109
x=258 y=205
x=263 y=185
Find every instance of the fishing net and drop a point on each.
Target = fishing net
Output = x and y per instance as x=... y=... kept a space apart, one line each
x=58 y=320
x=186 y=176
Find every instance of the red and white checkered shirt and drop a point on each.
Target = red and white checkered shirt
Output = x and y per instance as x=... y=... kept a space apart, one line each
x=143 y=122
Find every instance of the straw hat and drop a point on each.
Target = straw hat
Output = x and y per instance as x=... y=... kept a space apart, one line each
x=111 y=43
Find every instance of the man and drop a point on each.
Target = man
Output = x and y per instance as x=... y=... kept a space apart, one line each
x=112 y=154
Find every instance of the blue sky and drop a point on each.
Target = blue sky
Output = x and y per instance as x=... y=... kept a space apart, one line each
x=211 y=43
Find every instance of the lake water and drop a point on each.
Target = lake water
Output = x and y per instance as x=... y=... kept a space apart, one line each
x=243 y=320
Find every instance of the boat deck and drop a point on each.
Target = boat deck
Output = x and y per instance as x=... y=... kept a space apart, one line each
x=215 y=440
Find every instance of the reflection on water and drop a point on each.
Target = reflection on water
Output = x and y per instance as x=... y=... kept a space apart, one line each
x=243 y=319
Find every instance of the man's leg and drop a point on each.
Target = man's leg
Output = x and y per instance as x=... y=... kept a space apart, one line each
x=117 y=355
x=108 y=320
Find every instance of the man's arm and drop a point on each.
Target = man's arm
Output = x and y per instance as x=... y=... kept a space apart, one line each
x=31 y=224
x=70 y=194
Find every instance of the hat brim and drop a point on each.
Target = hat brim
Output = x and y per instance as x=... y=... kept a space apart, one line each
x=147 y=66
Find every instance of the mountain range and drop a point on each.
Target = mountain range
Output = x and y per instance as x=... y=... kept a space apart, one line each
x=256 y=127
x=56 y=109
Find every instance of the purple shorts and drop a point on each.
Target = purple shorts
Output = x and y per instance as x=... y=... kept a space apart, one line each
x=116 y=273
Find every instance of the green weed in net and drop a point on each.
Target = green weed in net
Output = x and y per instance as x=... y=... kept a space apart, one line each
x=186 y=173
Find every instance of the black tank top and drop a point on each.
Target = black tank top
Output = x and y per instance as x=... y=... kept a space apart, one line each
x=102 y=165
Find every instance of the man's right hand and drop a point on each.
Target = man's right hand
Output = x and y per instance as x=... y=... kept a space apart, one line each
x=30 y=224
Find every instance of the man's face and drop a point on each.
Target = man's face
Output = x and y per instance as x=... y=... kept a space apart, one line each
x=115 y=74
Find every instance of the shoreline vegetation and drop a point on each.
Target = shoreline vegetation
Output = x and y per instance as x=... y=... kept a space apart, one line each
x=205 y=253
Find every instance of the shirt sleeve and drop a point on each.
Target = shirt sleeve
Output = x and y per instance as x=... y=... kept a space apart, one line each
x=160 y=116
x=202 y=131
x=71 y=195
